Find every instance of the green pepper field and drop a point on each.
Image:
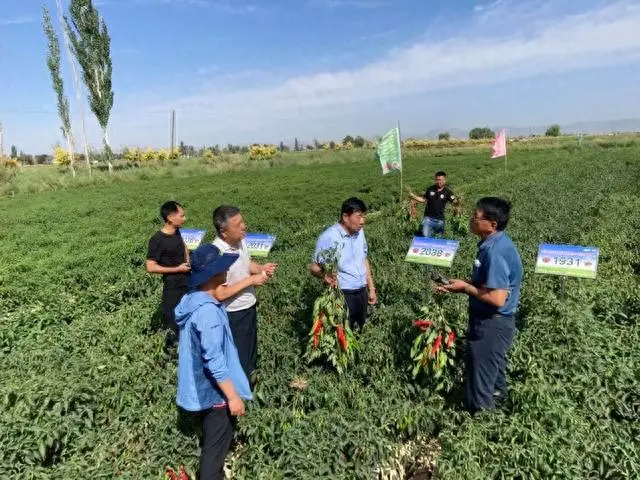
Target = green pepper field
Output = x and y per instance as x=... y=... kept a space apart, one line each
x=88 y=390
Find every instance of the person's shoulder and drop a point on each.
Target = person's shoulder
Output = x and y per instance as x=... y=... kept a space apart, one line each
x=209 y=312
x=218 y=242
x=505 y=244
x=156 y=237
x=330 y=231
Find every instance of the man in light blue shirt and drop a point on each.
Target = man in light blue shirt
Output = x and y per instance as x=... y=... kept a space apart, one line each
x=354 y=276
x=494 y=291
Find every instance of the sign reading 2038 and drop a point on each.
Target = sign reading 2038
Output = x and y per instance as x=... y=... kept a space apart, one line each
x=432 y=251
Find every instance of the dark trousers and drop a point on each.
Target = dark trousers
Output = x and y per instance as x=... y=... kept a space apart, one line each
x=170 y=299
x=357 y=303
x=244 y=327
x=488 y=341
x=217 y=432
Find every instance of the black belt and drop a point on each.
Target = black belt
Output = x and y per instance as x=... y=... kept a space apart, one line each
x=484 y=316
x=353 y=292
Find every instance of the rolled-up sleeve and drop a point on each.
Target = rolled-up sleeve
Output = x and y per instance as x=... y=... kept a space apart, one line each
x=322 y=244
x=211 y=334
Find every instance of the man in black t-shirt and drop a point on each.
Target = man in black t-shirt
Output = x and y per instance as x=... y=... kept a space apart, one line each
x=168 y=255
x=435 y=200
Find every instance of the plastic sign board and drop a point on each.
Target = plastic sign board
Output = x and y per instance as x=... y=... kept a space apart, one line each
x=432 y=251
x=192 y=237
x=259 y=244
x=567 y=260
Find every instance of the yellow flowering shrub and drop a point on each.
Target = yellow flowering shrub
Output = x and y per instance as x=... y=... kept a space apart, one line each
x=262 y=152
x=61 y=156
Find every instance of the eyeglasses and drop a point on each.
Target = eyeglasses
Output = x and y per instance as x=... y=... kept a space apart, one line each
x=477 y=218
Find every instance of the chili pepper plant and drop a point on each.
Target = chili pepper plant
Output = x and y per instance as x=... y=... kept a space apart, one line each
x=433 y=350
x=330 y=337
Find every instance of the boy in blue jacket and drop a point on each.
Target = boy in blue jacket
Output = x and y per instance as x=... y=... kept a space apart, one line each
x=210 y=377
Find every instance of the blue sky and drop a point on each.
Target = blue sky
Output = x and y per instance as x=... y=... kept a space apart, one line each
x=269 y=70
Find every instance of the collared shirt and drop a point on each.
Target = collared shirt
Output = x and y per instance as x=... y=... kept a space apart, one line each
x=436 y=200
x=497 y=266
x=238 y=272
x=353 y=250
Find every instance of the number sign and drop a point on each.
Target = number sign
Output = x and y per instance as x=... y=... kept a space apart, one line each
x=259 y=244
x=567 y=260
x=432 y=251
x=192 y=237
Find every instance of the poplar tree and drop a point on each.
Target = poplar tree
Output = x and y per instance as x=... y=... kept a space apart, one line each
x=91 y=46
x=53 y=62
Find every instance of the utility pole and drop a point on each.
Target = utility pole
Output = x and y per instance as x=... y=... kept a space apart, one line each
x=173 y=130
x=1 y=145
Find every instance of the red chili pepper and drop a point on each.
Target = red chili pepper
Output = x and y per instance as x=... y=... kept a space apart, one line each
x=423 y=324
x=172 y=474
x=316 y=340
x=437 y=344
x=342 y=338
x=183 y=474
x=451 y=338
x=319 y=323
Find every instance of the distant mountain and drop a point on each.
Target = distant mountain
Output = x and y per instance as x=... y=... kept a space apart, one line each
x=586 y=127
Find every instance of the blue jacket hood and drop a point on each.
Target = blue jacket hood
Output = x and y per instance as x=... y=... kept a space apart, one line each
x=190 y=303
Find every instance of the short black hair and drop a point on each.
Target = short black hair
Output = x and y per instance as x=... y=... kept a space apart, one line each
x=168 y=208
x=441 y=174
x=221 y=216
x=495 y=210
x=352 y=205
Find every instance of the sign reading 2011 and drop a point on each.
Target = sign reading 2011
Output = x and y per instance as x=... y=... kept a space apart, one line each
x=259 y=244
x=192 y=237
x=568 y=260
x=432 y=251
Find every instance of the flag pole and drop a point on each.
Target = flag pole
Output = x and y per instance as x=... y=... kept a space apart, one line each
x=401 y=162
x=505 y=150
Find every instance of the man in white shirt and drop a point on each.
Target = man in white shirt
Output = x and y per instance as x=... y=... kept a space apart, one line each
x=238 y=293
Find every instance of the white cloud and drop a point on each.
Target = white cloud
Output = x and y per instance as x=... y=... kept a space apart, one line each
x=488 y=6
x=599 y=37
x=362 y=4
x=224 y=6
x=6 y=22
x=552 y=44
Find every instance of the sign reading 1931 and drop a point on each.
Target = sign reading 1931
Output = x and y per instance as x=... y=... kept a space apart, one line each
x=567 y=260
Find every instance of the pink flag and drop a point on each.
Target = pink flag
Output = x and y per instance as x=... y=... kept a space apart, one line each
x=500 y=145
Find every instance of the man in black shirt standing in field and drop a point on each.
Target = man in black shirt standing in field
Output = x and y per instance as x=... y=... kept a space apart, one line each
x=435 y=198
x=168 y=256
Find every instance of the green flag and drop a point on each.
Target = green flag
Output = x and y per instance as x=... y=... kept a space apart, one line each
x=388 y=152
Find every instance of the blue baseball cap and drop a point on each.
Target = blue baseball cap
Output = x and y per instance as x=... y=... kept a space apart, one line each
x=206 y=262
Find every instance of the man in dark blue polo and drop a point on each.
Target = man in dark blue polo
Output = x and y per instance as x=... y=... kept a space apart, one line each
x=493 y=293
x=354 y=276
